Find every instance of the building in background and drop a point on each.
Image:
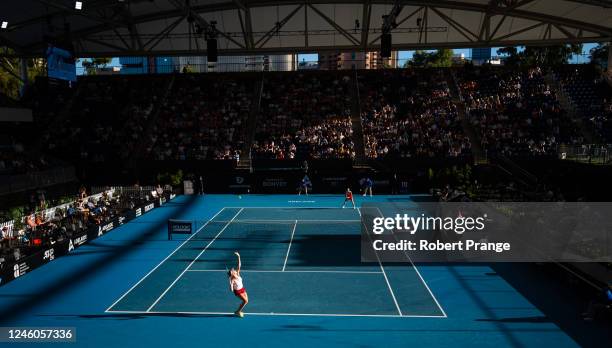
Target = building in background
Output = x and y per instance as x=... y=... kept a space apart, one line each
x=284 y=62
x=481 y=55
x=458 y=59
x=356 y=60
x=200 y=64
x=146 y=65
x=134 y=65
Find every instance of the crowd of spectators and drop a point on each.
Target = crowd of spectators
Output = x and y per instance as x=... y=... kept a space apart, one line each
x=405 y=113
x=41 y=228
x=13 y=160
x=16 y=151
x=106 y=119
x=203 y=118
x=408 y=113
x=305 y=115
x=589 y=92
x=515 y=112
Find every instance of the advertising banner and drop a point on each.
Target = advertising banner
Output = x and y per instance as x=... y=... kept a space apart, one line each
x=12 y=270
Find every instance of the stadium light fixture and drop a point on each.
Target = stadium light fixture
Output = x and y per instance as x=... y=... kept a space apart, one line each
x=78 y=5
x=4 y=25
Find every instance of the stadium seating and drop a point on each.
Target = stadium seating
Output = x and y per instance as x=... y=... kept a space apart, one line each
x=404 y=113
x=305 y=116
x=203 y=118
x=408 y=113
x=107 y=118
x=515 y=112
x=589 y=93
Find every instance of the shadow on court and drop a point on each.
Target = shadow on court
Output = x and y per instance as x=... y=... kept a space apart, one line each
x=136 y=316
x=342 y=250
x=537 y=319
x=316 y=328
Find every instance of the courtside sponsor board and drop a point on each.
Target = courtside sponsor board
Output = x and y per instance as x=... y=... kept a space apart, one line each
x=181 y=227
x=486 y=232
x=11 y=270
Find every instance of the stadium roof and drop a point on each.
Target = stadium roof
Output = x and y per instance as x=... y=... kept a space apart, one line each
x=177 y=27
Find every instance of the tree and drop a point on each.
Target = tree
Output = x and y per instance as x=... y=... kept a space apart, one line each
x=599 y=55
x=540 y=56
x=10 y=79
x=510 y=55
x=439 y=58
x=93 y=64
x=442 y=58
x=420 y=58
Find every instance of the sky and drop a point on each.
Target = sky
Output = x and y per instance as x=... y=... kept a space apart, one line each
x=407 y=55
x=403 y=56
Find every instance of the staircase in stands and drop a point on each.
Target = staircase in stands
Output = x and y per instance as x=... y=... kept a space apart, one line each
x=245 y=161
x=574 y=113
x=357 y=125
x=479 y=155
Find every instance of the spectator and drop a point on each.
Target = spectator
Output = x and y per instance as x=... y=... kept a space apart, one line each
x=305 y=116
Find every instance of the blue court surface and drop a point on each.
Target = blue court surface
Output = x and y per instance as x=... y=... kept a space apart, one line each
x=301 y=268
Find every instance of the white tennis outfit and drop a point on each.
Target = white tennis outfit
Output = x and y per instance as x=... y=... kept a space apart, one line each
x=236 y=283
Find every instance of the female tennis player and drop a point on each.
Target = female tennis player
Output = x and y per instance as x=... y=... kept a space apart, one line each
x=237 y=287
x=348 y=196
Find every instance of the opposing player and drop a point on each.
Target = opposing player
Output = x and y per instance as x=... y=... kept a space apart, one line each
x=367 y=186
x=305 y=183
x=237 y=287
x=348 y=196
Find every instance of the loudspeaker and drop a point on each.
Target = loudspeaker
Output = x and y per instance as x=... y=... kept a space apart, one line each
x=385 y=46
x=211 y=50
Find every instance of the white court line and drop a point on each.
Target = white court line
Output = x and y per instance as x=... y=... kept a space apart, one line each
x=285 y=208
x=287 y=314
x=385 y=275
x=418 y=273
x=289 y=248
x=164 y=260
x=248 y=221
x=286 y=271
x=192 y=262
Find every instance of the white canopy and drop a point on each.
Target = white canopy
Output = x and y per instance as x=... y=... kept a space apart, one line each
x=177 y=27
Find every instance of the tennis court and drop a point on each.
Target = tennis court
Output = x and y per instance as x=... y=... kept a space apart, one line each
x=296 y=261
x=304 y=276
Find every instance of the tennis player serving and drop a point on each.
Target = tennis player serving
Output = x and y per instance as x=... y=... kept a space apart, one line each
x=237 y=287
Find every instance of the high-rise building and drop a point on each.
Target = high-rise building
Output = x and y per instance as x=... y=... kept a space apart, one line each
x=200 y=64
x=356 y=60
x=481 y=55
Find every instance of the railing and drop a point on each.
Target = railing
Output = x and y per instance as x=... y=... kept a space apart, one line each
x=508 y=165
x=589 y=153
x=131 y=191
x=48 y=213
